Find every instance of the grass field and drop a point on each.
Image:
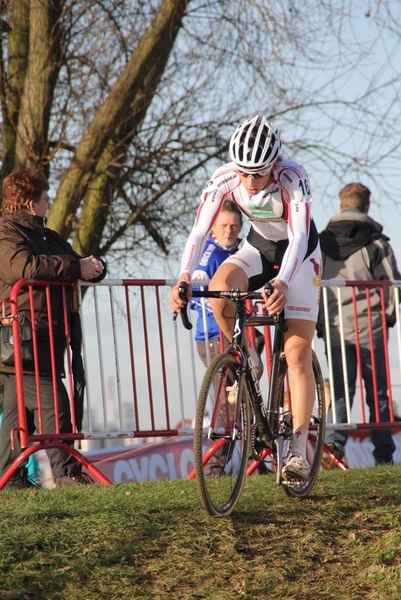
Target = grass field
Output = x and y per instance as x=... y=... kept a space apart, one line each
x=154 y=541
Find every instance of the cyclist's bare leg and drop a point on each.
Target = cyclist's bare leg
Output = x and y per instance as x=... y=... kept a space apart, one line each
x=227 y=277
x=298 y=352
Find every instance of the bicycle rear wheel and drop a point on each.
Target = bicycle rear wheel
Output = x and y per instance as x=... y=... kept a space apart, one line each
x=222 y=436
x=317 y=429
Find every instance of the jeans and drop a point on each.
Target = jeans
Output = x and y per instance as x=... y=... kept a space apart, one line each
x=381 y=438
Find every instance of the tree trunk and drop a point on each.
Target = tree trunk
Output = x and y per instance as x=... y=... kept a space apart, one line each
x=100 y=191
x=41 y=77
x=12 y=81
x=90 y=174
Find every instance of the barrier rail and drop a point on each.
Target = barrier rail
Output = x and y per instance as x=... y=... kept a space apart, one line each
x=142 y=378
x=367 y=286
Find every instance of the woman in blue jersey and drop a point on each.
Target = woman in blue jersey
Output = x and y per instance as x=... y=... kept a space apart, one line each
x=275 y=195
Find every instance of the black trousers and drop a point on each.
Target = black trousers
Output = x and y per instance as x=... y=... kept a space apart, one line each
x=62 y=463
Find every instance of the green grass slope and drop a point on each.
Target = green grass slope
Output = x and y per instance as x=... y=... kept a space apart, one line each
x=154 y=541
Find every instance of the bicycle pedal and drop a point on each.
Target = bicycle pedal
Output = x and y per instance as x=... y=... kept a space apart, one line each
x=232 y=392
x=292 y=482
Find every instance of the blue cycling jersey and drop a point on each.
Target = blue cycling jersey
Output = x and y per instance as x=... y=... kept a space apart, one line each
x=213 y=255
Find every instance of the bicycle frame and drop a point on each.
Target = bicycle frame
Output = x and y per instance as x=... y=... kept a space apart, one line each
x=264 y=414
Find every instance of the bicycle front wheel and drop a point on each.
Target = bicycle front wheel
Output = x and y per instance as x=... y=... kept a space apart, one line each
x=316 y=435
x=222 y=436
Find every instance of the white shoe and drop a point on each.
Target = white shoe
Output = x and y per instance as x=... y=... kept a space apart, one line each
x=256 y=361
x=296 y=468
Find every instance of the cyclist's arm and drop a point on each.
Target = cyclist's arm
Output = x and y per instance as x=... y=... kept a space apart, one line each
x=205 y=219
x=223 y=181
x=295 y=191
x=212 y=199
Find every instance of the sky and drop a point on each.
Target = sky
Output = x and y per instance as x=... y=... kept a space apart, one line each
x=381 y=63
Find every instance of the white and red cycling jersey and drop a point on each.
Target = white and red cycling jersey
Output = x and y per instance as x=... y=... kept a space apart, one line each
x=279 y=214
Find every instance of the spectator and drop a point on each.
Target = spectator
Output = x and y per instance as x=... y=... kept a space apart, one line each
x=221 y=243
x=29 y=249
x=354 y=248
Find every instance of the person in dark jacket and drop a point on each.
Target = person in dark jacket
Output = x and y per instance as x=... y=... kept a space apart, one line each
x=28 y=249
x=355 y=248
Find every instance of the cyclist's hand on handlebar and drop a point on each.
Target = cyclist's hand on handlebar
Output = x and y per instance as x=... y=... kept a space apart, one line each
x=176 y=302
x=275 y=302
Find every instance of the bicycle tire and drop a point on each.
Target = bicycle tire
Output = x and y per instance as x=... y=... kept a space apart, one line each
x=221 y=453
x=317 y=429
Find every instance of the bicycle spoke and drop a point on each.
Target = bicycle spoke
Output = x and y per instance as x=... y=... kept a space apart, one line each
x=222 y=437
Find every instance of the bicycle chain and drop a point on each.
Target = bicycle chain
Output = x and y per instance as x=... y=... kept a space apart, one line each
x=257 y=444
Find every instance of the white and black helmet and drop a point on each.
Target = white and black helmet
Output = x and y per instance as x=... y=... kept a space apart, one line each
x=255 y=145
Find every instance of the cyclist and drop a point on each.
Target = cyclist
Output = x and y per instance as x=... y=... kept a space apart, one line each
x=282 y=247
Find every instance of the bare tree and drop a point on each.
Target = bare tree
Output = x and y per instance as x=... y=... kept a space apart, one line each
x=127 y=105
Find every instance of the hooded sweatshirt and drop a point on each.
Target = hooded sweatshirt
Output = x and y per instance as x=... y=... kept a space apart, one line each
x=355 y=248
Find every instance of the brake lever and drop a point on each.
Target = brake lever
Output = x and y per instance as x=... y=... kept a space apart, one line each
x=182 y=292
x=278 y=319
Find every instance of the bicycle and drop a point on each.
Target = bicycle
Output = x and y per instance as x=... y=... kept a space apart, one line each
x=233 y=425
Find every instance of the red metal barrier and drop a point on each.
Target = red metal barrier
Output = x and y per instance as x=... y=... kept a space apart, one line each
x=42 y=440
x=141 y=370
x=367 y=286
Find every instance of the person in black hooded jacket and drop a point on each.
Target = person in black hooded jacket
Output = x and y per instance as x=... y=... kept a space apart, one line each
x=28 y=249
x=355 y=248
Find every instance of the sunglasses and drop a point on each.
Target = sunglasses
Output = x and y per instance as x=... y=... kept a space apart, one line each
x=253 y=175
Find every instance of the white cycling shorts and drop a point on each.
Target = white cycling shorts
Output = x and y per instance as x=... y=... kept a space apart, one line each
x=303 y=295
